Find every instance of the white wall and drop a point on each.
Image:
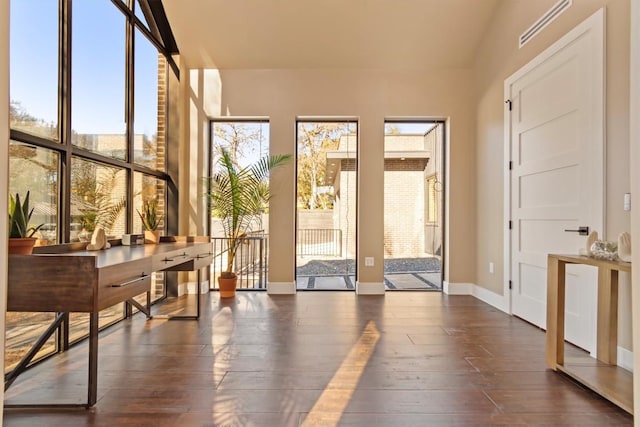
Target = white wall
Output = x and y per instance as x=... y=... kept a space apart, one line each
x=4 y=168
x=498 y=58
x=635 y=188
x=370 y=96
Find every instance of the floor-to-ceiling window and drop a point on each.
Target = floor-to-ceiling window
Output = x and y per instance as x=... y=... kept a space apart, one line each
x=88 y=101
x=327 y=159
x=246 y=141
x=413 y=204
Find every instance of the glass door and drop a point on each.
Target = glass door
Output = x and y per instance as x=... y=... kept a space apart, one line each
x=413 y=205
x=326 y=205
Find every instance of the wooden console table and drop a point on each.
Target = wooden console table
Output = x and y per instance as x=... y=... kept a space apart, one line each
x=602 y=375
x=67 y=278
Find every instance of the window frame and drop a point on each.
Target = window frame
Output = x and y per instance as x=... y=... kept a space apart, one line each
x=64 y=146
x=162 y=40
x=432 y=200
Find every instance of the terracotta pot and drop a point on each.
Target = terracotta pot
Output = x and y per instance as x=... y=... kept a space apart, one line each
x=151 y=236
x=227 y=287
x=21 y=246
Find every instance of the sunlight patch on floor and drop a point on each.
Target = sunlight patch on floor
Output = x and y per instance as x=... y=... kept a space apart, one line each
x=330 y=406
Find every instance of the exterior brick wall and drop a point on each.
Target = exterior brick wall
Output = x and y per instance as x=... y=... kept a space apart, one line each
x=161 y=136
x=404 y=207
x=162 y=113
x=345 y=208
x=315 y=219
x=434 y=232
x=408 y=233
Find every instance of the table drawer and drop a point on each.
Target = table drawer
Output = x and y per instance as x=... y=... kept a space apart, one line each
x=193 y=263
x=202 y=260
x=169 y=260
x=116 y=293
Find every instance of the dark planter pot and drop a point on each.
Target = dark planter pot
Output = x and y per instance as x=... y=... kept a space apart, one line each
x=227 y=287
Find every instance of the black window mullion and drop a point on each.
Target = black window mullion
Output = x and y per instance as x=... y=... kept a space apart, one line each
x=137 y=23
x=110 y=161
x=64 y=113
x=129 y=88
x=95 y=157
x=28 y=138
x=161 y=22
x=130 y=111
x=152 y=172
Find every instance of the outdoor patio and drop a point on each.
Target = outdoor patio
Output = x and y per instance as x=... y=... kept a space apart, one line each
x=400 y=274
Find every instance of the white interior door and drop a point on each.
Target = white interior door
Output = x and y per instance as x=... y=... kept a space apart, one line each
x=557 y=176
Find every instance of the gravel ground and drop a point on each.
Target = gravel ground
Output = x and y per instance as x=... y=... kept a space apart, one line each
x=398 y=265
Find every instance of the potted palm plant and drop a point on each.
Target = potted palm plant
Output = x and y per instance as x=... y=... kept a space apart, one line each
x=21 y=240
x=150 y=221
x=237 y=197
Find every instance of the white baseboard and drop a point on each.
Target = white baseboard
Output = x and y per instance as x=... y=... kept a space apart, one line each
x=183 y=288
x=281 y=288
x=498 y=301
x=191 y=288
x=625 y=359
x=370 y=288
x=457 y=288
x=483 y=294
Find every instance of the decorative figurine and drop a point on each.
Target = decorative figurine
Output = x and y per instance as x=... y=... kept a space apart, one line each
x=98 y=240
x=624 y=247
x=586 y=251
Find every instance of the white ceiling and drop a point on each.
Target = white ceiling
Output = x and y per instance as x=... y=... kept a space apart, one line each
x=265 y=34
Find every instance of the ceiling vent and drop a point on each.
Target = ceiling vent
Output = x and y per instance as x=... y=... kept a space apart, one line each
x=544 y=20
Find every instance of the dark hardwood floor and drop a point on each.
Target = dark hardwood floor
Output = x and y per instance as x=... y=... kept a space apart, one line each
x=316 y=359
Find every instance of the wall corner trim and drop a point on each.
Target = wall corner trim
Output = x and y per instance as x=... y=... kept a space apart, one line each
x=457 y=288
x=370 y=288
x=625 y=359
x=496 y=300
x=281 y=288
x=483 y=294
x=191 y=287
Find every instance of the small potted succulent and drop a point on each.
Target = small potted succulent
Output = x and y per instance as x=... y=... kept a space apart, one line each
x=21 y=240
x=150 y=221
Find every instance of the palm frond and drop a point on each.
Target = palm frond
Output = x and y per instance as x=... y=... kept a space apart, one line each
x=109 y=216
x=238 y=196
x=108 y=210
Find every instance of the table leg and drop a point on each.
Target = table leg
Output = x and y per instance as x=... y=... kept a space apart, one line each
x=187 y=316
x=555 y=312
x=63 y=338
x=199 y=294
x=607 y=344
x=10 y=377
x=93 y=359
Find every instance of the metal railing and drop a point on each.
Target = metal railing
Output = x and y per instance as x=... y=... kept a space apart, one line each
x=250 y=262
x=251 y=256
x=319 y=242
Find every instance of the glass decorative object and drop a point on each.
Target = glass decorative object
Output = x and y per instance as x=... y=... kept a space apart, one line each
x=602 y=249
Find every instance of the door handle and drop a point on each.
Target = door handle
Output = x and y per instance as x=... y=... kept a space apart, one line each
x=582 y=230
